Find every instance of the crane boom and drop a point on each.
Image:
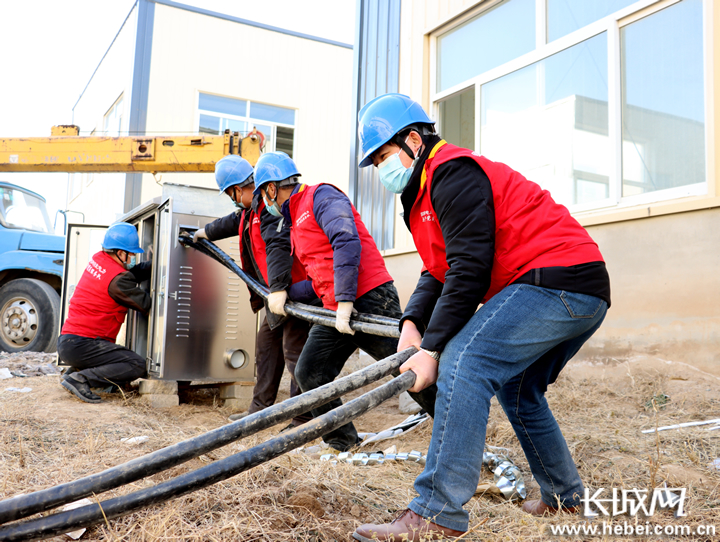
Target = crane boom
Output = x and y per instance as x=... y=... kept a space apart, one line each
x=66 y=151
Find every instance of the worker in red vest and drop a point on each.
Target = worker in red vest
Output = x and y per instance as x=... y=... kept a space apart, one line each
x=279 y=340
x=106 y=290
x=347 y=272
x=487 y=235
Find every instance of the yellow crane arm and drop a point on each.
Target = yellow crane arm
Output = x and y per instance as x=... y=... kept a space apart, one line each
x=67 y=151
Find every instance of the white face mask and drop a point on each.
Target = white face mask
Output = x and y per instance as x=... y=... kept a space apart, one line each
x=393 y=174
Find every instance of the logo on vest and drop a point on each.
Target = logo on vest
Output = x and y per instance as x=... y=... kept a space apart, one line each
x=256 y=219
x=302 y=218
x=94 y=269
x=427 y=216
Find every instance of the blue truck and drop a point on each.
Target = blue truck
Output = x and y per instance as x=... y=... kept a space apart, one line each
x=31 y=268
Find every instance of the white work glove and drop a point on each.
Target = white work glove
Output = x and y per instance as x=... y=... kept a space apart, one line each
x=276 y=302
x=342 y=320
x=200 y=234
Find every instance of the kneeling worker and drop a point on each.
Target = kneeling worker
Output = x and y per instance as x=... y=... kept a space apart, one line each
x=102 y=297
x=279 y=340
x=347 y=272
x=485 y=234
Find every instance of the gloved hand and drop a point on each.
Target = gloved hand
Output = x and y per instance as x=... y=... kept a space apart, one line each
x=276 y=302
x=200 y=234
x=342 y=320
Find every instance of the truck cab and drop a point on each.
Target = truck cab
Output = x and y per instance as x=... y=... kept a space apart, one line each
x=31 y=267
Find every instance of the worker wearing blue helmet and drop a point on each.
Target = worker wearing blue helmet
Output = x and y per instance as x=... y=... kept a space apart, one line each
x=325 y=232
x=485 y=235
x=106 y=290
x=279 y=340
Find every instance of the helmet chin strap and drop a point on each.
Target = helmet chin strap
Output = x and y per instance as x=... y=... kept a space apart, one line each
x=400 y=142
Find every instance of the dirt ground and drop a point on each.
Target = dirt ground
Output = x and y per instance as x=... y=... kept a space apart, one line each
x=49 y=437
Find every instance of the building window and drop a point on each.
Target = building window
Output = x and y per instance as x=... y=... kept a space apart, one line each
x=112 y=121
x=493 y=38
x=549 y=120
x=608 y=110
x=566 y=16
x=457 y=119
x=663 y=128
x=218 y=113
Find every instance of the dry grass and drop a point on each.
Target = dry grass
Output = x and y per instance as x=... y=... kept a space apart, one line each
x=48 y=437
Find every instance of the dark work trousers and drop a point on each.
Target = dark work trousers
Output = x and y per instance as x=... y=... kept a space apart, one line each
x=327 y=350
x=101 y=362
x=276 y=349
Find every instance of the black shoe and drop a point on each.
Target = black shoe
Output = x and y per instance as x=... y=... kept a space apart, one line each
x=80 y=390
x=343 y=447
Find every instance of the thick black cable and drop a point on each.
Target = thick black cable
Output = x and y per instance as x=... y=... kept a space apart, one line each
x=165 y=458
x=366 y=323
x=86 y=516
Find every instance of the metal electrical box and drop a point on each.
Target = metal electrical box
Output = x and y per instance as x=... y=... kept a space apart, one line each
x=201 y=326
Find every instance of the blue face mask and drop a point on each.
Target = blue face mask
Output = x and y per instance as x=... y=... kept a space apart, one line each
x=238 y=204
x=394 y=176
x=130 y=263
x=274 y=208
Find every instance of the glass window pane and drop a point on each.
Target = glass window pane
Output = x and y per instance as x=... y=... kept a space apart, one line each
x=272 y=113
x=663 y=128
x=284 y=140
x=491 y=39
x=457 y=119
x=218 y=104
x=234 y=126
x=209 y=124
x=549 y=121
x=565 y=16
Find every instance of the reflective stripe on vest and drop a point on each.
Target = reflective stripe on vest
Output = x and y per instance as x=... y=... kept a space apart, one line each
x=531 y=230
x=312 y=246
x=92 y=312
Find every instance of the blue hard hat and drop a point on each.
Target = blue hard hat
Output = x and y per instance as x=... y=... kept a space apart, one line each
x=383 y=117
x=273 y=166
x=123 y=236
x=233 y=170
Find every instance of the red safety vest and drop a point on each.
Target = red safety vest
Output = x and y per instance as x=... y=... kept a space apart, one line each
x=92 y=312
x=312 y=247
x=258 y=247
x=531 y=230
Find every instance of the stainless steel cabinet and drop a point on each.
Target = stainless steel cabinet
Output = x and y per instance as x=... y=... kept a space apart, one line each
x=200 y=327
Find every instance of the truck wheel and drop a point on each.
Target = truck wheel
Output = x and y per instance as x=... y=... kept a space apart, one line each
x=29 y=316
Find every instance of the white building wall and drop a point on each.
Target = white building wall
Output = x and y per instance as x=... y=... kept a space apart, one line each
x=195 y=53
x=101 y=195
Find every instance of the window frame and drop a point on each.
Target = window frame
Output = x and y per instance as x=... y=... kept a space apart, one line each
x=250 y=121
x=611 y=25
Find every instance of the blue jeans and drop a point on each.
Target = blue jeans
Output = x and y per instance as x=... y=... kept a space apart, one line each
x=514 y=346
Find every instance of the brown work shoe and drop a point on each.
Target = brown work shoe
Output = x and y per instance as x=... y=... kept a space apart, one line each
x=539 y=508
x=407 y=526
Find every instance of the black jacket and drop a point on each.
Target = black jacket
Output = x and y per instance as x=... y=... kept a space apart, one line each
x=124 y=289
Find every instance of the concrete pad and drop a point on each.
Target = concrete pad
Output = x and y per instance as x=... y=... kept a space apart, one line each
x=158 y=387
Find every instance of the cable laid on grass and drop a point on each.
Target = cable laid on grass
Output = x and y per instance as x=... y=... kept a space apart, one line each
x=86 y=516
x=165 y=458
